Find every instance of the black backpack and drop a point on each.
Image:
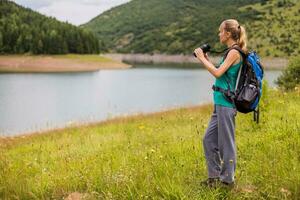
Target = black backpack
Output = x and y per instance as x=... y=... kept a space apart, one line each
x=248 y=89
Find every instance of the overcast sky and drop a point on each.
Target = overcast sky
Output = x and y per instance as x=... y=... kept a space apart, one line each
x=74 y=11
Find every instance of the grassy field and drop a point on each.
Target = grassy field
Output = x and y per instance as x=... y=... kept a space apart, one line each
x=157 y=156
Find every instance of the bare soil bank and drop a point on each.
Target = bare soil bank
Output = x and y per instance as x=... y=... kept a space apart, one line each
x=268 y=63
x=76 y=63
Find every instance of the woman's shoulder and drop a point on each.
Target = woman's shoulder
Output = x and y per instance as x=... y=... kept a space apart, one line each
x=235 y=55
x=234 y=52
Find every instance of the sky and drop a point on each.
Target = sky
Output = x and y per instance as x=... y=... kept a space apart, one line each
x=74 y=11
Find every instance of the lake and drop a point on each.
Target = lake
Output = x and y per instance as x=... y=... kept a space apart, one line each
x=39 y=102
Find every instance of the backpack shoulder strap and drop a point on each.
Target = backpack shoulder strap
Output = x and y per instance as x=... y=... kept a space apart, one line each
x=236 y=47
x=244 y=55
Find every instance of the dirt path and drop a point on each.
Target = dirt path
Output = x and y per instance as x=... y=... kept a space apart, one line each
x=54 y=64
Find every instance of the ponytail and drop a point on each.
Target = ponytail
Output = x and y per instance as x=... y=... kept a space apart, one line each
x=242 y=41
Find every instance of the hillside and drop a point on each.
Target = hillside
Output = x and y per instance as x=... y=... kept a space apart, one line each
x=276 y=32
x=178 y=26
x=25 y=31
x=168 y=26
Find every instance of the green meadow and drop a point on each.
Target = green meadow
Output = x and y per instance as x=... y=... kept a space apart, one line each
x=156 y=156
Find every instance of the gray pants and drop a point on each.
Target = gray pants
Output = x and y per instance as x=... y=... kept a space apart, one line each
x=219 y=144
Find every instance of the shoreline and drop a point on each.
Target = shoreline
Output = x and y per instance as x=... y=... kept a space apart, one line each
x=57 y=63
x=113 y=120
x=90 y=63
x=268 y=63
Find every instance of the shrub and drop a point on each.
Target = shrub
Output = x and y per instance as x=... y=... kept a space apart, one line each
x=290 y=78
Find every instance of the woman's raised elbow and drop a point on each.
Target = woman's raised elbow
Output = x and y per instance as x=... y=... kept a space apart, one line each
x=218 y=74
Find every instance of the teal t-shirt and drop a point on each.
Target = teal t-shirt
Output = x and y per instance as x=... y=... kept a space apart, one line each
x=232 y=74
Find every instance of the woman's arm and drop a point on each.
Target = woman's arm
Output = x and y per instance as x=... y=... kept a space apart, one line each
x=231 y=58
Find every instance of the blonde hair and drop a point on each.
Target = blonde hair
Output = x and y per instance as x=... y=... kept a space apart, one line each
x=238 y=33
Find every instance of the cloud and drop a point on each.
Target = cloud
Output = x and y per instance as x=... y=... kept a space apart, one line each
x=34 y=4
x=74 y=11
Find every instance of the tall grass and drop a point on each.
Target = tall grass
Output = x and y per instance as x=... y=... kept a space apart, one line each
x=158 y=156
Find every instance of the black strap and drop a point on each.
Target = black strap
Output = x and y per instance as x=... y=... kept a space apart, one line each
x=236 y=47
x=227 y=92
x=218 y=52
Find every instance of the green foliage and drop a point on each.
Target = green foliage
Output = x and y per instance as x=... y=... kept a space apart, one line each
x=276 y=30
x=179 y=26
x=156 y=157
x=25 y=31
x=169 y=26
x=290 y=77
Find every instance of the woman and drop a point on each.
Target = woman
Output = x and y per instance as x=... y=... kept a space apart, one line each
x=219 y=139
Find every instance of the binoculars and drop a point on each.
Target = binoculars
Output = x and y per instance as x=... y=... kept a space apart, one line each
x=205 y=48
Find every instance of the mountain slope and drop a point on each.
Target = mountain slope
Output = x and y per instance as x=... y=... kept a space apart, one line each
x=25 y=31
x=276 y=31
x=178 y=26
x=164 y=26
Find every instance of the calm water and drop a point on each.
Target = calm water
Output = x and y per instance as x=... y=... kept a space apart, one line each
x=35 y=102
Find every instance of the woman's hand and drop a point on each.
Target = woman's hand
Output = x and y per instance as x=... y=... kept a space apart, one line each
x=200 y=55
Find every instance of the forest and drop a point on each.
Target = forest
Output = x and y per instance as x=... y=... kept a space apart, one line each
x=23 y=30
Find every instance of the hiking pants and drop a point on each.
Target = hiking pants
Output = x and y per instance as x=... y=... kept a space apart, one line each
x=219 y=144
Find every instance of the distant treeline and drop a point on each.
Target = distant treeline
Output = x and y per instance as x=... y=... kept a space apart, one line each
x=25 y=31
